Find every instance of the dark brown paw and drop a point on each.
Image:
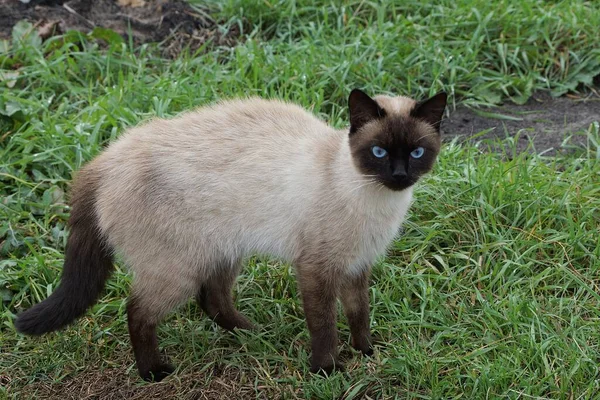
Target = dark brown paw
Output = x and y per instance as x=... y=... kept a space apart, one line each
x=158 y=373
x=366 y=351
x=235 y=321
x=241 y=322
x=364 y=346
x=327 y=370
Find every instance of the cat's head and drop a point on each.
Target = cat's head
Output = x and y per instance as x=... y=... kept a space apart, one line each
x=395 y=140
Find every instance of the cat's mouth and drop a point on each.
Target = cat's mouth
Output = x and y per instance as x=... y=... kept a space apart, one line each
x=399 y=184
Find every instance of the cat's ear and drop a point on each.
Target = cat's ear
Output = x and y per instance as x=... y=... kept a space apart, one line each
x=431 y=110
x=362 y=109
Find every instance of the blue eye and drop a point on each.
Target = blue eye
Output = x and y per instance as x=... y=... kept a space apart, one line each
x=378 y=152
x=417 y=153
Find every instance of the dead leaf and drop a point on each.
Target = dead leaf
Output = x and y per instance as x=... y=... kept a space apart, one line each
x=49 y=29
x=131 y=3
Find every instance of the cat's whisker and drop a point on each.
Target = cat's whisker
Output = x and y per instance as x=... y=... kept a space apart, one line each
x=365 y=184
x=426 y=136
x=361 y=181
x=356 y=188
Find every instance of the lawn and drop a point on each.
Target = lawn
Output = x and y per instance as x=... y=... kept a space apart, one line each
x=491 y=291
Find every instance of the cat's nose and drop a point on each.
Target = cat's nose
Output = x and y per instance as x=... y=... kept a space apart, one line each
x=399 y=173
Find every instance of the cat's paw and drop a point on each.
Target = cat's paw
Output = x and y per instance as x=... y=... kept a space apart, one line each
x=328 y=369
x=365 y=350
x=243 y=323
x=364 y=345
x=157 y=373
x=234 y=322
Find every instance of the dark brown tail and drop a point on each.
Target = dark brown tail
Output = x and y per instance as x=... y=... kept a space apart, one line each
x=88 y=264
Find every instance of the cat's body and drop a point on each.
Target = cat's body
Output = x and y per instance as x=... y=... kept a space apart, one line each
x=277 y=198
x=185 y=200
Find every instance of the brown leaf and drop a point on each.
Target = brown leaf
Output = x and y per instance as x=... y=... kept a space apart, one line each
x=48 y=29
x=131 y=3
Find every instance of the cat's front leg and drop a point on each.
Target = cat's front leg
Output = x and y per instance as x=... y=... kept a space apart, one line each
x=319 y=294
x=354 y=295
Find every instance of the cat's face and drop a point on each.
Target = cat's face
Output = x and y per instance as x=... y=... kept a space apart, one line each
x=395 y=141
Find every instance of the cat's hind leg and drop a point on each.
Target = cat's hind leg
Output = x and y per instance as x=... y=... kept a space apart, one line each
x=215 y=297
x=153 y=297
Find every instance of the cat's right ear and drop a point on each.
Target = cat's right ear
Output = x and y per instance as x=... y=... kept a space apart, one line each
x=363 y=109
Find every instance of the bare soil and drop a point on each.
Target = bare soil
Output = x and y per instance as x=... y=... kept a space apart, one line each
x=173 y=22
x=550 y=124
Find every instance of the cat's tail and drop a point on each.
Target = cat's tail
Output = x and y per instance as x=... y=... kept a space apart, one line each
x=88 y=264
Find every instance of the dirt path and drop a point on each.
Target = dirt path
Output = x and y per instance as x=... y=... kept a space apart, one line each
x=544 y=120
x=173 y=22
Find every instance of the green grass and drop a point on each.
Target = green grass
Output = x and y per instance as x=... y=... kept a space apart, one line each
x=491 y=292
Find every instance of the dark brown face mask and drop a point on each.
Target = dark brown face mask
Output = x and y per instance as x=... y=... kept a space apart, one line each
x=395 y=149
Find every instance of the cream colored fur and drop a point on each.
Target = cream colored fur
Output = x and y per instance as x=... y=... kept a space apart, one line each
x=179 y=198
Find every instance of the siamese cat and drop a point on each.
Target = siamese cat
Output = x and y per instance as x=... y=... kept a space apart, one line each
x=184 y=201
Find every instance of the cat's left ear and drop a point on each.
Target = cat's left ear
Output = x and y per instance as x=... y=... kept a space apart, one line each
x=431 y=110
x=363 y=109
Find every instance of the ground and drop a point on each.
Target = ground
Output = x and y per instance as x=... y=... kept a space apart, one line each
x=173 y=22
x=492 y=289
x=544 y=124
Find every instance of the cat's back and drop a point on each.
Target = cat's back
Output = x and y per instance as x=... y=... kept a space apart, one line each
x=248 y=137
x=241 y=132
x=243 y=120
x=249 y=166
x=262 y=117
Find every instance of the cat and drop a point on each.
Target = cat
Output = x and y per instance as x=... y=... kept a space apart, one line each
x=185 y=200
